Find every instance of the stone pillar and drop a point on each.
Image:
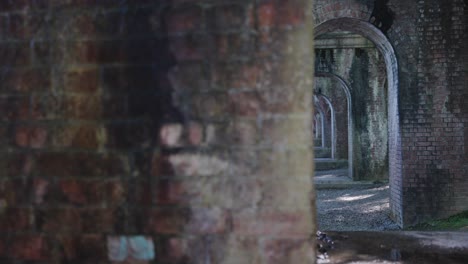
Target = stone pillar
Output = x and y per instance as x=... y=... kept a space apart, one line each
x=156 y=132
x=243 y=83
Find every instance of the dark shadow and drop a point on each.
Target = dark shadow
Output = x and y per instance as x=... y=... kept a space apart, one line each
x=382 y=16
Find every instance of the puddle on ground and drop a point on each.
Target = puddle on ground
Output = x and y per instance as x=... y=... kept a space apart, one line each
x=398 y=247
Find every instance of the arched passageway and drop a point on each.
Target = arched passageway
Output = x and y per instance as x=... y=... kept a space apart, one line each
x=381 y=42
x=344 y=88
x=327 y=112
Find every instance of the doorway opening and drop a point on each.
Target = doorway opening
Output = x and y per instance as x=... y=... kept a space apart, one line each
x=355 y=94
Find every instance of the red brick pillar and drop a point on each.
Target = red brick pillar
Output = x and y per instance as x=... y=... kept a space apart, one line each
x=156 y=132
x=239 y=169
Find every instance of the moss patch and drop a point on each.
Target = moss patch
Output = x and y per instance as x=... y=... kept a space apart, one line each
x=453 y=223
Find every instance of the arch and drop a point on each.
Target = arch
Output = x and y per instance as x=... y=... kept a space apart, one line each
x=372 y=33
x=346 y=89
x=332 y=123
x=321 y=116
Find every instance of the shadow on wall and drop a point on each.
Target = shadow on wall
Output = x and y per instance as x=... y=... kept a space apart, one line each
x=382 y=16
x=143 y=80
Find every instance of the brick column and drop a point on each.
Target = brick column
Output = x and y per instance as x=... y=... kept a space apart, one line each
x=156 y=132
x=240 y=165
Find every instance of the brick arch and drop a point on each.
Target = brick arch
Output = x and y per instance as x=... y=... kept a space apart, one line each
x=342 y=8
x=332 y=122
x=346 y=89
x=322 y=116
x=382 y=43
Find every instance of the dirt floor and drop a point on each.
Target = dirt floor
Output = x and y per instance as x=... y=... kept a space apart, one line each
x=355 y=208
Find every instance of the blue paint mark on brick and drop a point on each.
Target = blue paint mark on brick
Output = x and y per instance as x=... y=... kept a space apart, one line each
x=141 y=248
x=121 y=248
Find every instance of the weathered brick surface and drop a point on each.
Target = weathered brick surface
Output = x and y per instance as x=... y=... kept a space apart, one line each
x=438 y=166
x=140 y=131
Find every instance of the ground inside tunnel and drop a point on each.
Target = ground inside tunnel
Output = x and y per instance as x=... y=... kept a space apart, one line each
x=362 y=207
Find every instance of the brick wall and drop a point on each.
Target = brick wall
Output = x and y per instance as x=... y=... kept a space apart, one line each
x=155 y=132
x=435 y=115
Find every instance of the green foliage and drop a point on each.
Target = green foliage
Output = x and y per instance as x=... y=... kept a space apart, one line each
x=453 y=223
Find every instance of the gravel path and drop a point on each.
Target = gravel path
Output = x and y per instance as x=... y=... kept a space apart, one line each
x=354 y=209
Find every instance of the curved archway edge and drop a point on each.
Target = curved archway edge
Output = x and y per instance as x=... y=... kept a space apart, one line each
x=382 y=43
x=346 y=89
x=332 y=124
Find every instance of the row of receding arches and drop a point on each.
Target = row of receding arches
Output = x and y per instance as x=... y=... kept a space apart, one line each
x=325 y=118
x=331 y=115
